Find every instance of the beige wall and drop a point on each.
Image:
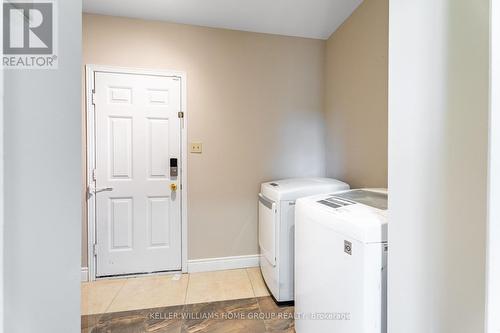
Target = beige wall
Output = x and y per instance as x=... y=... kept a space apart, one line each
x=356 y=97
x=254 y=100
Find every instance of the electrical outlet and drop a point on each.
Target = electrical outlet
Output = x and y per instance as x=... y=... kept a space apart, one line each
x=196 y=147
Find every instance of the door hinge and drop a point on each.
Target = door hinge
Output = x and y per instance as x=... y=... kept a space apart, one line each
x=93 y=97
x=180 y=114
x=94 y=249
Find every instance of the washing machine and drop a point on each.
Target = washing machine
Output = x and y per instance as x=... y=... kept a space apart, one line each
x=276 y=228
x=341 y=262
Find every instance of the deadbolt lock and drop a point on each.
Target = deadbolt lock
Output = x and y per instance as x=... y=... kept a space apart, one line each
x=173 y=187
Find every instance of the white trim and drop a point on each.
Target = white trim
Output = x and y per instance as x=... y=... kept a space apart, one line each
x=184 y=174
x=89 y=110
x=493 y=228
x=2 y=243
x=89 y=115
x=221 y=264
x=85 y=274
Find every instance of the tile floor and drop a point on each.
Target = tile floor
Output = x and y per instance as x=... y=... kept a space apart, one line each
x=119 y=295
x=250 y=315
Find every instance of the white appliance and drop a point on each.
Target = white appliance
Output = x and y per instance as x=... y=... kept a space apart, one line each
x=276 y=228
x=341 y=263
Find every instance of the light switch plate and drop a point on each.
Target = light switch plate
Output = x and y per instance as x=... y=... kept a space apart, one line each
x=196 y=147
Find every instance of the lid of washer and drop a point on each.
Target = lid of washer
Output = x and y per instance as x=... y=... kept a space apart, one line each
x=358 y=214
x=376 y=198
x=294 y=188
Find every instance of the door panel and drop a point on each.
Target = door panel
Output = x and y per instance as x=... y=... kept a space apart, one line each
x=159 y=210
x=138 y=222
x=120 y=130
x=121 y=220
x=158 y=148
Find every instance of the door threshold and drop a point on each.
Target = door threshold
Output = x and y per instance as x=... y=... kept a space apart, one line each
x=136 y=275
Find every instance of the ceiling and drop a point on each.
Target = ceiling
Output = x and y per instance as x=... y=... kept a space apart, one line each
x=300 y=18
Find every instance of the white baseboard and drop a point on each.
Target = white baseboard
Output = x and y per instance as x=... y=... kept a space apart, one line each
x=221 y=264
x=209 y=265
x=85 y=274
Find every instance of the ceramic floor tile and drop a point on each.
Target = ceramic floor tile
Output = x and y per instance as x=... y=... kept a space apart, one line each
x=224 y=317
x=278 y=318
x=158 y=320
x=89 y=322
x=97 y=296
x=250 y=315
x=218 y=286
x=165 y=320
x=150 y=292
x=258 y=284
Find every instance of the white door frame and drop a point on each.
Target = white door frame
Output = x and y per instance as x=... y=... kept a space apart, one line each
x=2 y=243
x=90 y=134
x=493 y=236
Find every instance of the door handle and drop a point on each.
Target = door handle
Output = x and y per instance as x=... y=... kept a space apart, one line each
x=91 y=190
x=105 y=189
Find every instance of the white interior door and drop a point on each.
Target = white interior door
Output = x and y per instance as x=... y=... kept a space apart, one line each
x=138 y=212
